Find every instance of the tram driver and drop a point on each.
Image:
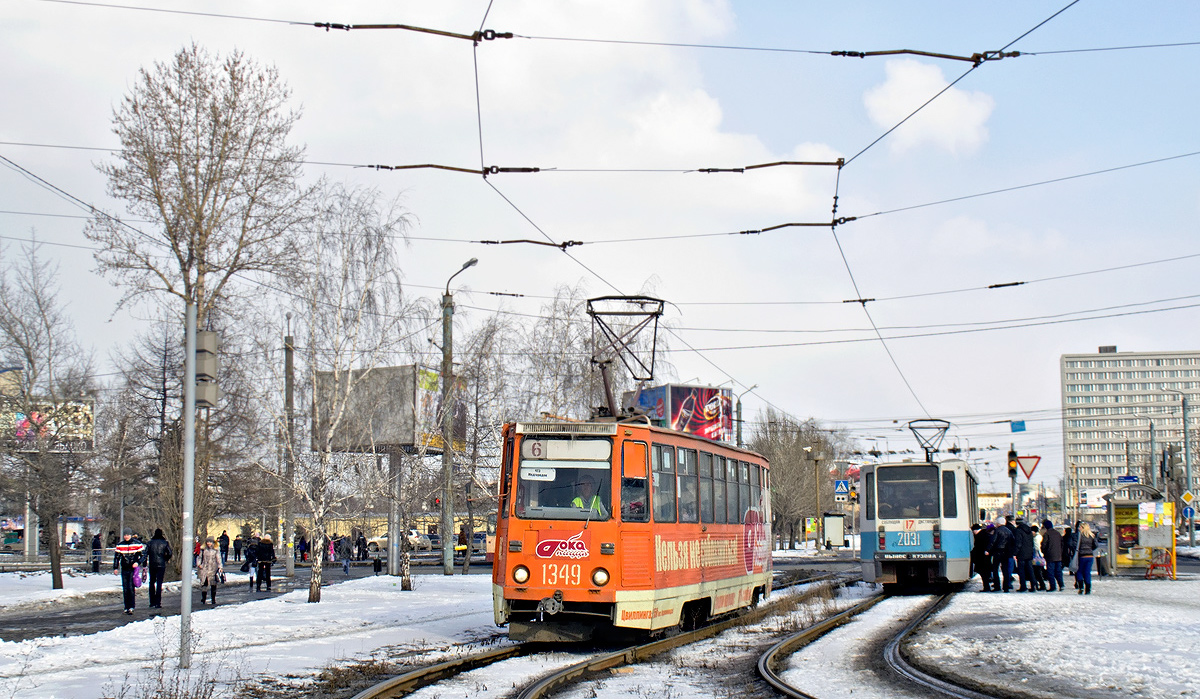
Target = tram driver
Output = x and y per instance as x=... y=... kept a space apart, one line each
x=587 y=496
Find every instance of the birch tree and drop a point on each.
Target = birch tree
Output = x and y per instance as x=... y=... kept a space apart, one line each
x=351 y=318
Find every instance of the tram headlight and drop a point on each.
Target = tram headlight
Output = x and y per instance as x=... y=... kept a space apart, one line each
x=520 y=575
x=600 y=577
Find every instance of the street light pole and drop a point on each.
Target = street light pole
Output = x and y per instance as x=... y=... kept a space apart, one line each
x=739 y=414
x=1187 y=462
x=448 y=536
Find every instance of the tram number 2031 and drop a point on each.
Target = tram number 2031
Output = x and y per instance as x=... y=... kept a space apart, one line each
x=560 y=574
x=908 y=539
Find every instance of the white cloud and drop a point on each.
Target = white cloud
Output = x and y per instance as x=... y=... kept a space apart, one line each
x=956 y=121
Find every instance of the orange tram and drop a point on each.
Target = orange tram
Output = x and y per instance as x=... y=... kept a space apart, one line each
x=608 y=529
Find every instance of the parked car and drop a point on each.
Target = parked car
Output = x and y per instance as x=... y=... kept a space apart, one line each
x=435 y=541
x=419 y=541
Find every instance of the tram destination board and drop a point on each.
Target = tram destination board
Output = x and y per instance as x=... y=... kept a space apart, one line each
x=930 y=556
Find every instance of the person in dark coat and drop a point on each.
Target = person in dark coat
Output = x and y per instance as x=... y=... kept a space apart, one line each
x=251 y=564
x=1052 y=550
x=128 y=555
x=237 y=548
x=158 y=552
x=265 y=555
x=97 y=552
x=223 y=545
x=992 y=575
x=1002 y=553
x=1023 y=537
x=979 y=555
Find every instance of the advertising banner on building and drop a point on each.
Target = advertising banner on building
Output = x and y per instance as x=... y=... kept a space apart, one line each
x=706 y=411
x=703 y=411
x=64 y=427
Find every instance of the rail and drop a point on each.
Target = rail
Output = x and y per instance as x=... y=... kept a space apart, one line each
x=410 y=681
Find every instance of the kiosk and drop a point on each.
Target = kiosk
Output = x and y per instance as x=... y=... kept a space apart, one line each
x=1141 y=531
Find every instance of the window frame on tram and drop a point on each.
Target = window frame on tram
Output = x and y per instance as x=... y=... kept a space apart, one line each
x=662 y=482
x=706 y=487
x=688 y=491
x=720 y=499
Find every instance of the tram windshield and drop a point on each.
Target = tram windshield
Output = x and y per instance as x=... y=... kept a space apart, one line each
x=907 y=492
x=565 y=479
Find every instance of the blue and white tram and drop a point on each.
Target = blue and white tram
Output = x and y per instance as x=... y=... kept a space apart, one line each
x=916 y=522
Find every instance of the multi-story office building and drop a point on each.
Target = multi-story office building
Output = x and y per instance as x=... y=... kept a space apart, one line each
x=1109 y=401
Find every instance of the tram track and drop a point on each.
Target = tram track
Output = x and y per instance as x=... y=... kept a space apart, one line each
x=406 y=683
x=894 y=658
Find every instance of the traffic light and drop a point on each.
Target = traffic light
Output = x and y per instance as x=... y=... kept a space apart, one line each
x=1012 y=463
x=854 y=493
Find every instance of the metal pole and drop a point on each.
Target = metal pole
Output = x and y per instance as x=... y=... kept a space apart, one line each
x=289 y=508
x=189 y=494
x=447 y=527
x=740 y=443
x=739 y=422
x=394 y=532
x=1187 y=462
x=1150 y=460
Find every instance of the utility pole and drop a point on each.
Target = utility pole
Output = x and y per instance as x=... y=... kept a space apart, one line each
x=1150 y=466
x=289 y=509
x=739 y=415
x=448 y=535
x=1187 y=464
x=189 y=491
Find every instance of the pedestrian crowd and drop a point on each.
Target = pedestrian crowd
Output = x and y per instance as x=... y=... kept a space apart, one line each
x=139 y=563
x=1015 y=551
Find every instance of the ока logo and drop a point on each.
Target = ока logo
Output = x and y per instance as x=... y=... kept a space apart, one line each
x=573 y=547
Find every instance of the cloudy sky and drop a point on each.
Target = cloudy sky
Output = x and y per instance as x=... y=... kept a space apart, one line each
x=1071 y=167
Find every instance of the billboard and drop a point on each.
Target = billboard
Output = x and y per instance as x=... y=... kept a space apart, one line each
x=66 y=427
x=706 y=411
x=383 y=408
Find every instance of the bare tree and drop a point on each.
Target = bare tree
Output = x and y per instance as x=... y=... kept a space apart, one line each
x=796 y=449
x=51 y=443
x=205 y=157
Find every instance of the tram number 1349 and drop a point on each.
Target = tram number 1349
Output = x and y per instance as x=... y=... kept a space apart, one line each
x=908 y=539
x=564 y=574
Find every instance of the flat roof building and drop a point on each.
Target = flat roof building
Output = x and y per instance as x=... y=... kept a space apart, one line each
x=1110 y=399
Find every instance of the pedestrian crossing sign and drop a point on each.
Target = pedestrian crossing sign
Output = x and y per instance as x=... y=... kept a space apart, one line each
x=841 y=487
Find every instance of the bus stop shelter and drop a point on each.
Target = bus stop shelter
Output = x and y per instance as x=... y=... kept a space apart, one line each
x=1141 y=531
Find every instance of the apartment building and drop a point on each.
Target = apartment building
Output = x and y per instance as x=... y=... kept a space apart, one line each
x=1109 y=401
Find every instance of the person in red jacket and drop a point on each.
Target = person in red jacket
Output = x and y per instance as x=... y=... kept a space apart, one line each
x=127 y=557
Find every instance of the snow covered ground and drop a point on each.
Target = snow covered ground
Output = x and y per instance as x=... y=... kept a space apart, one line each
x=1128 y=636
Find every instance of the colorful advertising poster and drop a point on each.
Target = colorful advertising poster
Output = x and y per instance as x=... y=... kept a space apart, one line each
x=703 y=411
x=651 y=401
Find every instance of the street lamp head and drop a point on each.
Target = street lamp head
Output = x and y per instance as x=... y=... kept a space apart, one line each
x=470 y=263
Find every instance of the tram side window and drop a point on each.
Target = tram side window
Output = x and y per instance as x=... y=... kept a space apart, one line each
x=949 y=497
x=718 y=485
x=634 y=484
x=731 y=498
x=744 y=484
x=755 y=485
x=663 y=493
x=689 y=489
x=869 y=497
x=706 y=487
